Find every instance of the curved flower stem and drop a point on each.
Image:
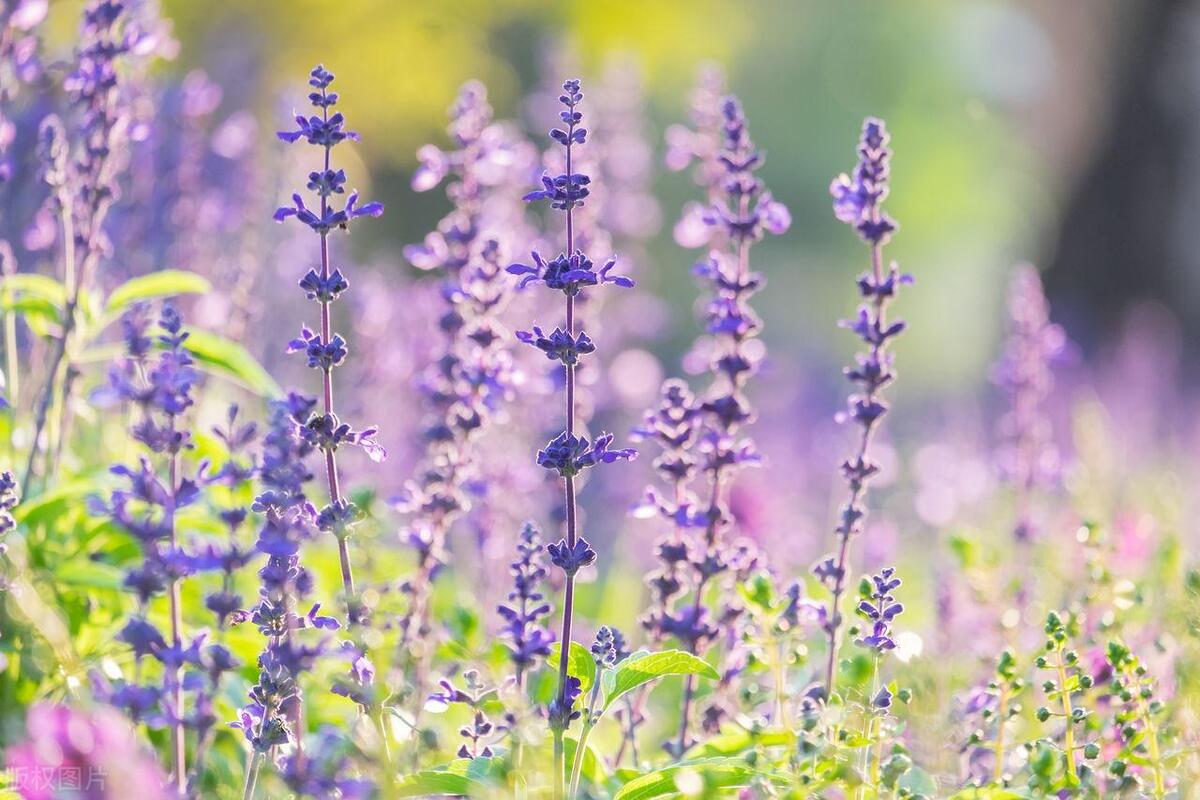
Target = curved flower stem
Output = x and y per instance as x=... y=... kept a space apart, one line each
x=589 y=722
x=858 y=487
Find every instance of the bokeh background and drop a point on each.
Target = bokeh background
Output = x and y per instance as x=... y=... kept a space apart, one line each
x=1065 y=134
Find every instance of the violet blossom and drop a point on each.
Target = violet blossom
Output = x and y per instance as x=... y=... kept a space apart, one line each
x=571 y=272
x=739 y=211
x=528 y=638
x=326 y=350
x=471 y=378
x=858 y=200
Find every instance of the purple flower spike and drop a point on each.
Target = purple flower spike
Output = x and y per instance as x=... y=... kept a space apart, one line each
x=324 y=349
x=704 y=436
x=857 y=201
x=470 y=377
x=528 y=638
x=571 y=272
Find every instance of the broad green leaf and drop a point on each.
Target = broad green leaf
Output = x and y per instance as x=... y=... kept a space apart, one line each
x=228 y=358
x=435 y=783
x=580 y=664
x=32 y=285
x=713 y=773
x=89 y=574
x=634 y=672
x=739 y=741
x=164 y=283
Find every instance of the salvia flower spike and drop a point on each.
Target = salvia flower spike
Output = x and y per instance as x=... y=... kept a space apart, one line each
x=324 y=349
x=739 y=212
x=161 y=389
x=570 y=272
x=857 y=201
x=470 y=379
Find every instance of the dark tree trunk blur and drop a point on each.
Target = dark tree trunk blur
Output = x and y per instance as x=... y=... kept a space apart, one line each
x=1131 y=226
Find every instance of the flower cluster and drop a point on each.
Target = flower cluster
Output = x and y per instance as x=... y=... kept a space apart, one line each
x=1028 y=458
x=326 y=350
x=1137 y=717
x=571 y=272
x=274 y=715
x=857 y=201
x=1067 y=681
x=993 y=708
x=161 y=389
x=528 y=638
x=879 y=608
x=471 y=377
x=481 y=730
x=858 y=197
x=706 y=435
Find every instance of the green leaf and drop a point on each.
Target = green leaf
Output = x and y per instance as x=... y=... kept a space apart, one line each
x=39 y=300
x=226 y=357
x=32 y=285
x=89 y=575
x=164 y=283
x=739 y=741
x=713 y=772
x=636 y=671
x=580 y=664
x=435 y=783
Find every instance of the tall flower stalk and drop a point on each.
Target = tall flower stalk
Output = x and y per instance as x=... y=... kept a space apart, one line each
x=149 y=507
x=739 y=212
x=324 y=349
x=274 y=716
x=470 y=381
x=84 y=179
x=1029 y=460
x=568 y=454
x=858 y=201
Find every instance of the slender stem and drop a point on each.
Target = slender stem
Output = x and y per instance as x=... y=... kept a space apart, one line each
x=1001 y=720
x=1069 y=736
x=858 y=487
x=559 y=764
x=60 y=344
x=1160 y=788
x=178 y=740
x=569 y=499
x=868 y=732
x=331 y=473
x=251 y=775
x=589 y=722
x=710 y=538
x=385 y=741
x=10 y=353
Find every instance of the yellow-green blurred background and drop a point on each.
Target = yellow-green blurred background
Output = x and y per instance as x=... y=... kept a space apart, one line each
x=1054 y=132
